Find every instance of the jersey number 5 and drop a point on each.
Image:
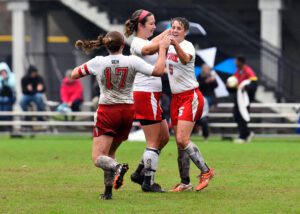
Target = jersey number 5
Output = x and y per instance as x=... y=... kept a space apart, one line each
x=118 y=71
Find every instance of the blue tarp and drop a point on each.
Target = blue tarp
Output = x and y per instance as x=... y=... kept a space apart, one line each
x=227 y=66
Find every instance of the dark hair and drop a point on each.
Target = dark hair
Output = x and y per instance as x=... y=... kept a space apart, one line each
x=131 y=25
x=183 y=21
x=31 y=69
x=112 y=41
x=241 y=59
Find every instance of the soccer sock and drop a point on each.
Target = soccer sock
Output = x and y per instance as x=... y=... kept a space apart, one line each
x=150 y=161
x=108 y=181
x=140 y=169
x=106 y=163
x=140 y=166
x=109 y=177
x=108 y=190
x=194 y=153
x=183 y=161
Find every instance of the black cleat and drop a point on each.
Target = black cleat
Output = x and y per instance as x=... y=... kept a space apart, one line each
x=119 y=176
x=137 y=178
x=153 y=188
x=105 y=196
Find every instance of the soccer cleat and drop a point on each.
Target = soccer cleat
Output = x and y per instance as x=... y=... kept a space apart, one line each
x=119 y=176
x=250 y=137
x=137 y=178
x=239 y=141
x=152 y=188
x=204 y=179
x=181 y=187
x=105 y=196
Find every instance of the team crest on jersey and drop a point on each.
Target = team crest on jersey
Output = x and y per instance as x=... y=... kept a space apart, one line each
x=172 y=57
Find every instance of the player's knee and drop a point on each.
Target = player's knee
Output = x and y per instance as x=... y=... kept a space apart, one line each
x=181 y=142
x=95 y=158
x=153 y=144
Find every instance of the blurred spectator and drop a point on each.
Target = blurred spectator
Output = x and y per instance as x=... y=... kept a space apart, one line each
x=246 y=82
x=7 y=92
x=33 y=89
x=71 y=92
x=207 y=85
x=95 y=94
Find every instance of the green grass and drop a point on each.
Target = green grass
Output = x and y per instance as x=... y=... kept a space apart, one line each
x=54 y=174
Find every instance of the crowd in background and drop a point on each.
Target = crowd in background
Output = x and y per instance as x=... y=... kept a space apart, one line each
x=71 y=94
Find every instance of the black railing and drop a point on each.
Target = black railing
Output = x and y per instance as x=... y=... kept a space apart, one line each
x=288 y=71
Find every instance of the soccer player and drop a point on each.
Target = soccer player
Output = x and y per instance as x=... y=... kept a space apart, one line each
x=147 y=94
x=186 y=105
x=115 y=74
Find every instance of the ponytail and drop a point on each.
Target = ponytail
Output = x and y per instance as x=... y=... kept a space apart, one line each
x=112 y=41
x=130 y=27
x=139 y=16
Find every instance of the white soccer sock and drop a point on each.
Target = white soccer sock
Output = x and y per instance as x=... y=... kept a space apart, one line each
x=151 y=162
x=106 y=163
x=194 y=153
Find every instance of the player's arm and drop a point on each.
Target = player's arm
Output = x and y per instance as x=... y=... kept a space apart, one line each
x=184 y=57
x=153 y=47
x=80 y=71
x=159 y=68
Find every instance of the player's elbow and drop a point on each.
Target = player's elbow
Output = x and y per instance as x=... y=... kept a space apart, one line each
x=184 y=62
x=147 y=51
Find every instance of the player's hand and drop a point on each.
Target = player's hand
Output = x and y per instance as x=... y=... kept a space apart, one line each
x=173 y=41
x=167 y=32
x=165 y=42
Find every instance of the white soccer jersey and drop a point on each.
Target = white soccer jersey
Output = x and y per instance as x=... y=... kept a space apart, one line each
x=143 y=82
x=115 y=75
x=181 y=77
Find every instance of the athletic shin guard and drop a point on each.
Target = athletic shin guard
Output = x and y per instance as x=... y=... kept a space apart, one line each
x=150 y=161
x=106 y=163
x=194 y=153
x=183 y=161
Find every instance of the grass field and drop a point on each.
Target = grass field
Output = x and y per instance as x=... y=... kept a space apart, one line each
x=54 y=174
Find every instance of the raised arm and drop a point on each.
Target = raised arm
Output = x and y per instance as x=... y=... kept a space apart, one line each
x=80 y=72
x=159 y=67
x=153 y=47
x=184 y=57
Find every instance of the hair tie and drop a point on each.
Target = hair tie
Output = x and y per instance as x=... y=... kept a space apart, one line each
x=143 y=14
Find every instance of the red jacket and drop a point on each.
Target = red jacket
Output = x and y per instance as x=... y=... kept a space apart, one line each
x=245 y=73
x=71 y=90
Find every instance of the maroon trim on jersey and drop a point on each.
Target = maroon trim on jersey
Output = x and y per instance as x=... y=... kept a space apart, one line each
x=80 y=72
x=86 y=69
x=143 y=14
